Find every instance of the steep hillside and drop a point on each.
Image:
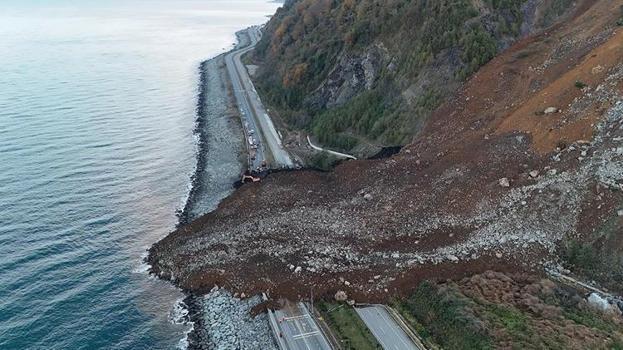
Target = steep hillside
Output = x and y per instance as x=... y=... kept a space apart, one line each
x=362 y=72
x=515 y=311
x=520 y=171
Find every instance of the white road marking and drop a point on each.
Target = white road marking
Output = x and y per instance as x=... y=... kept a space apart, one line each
x=306 y=335
x=295 y=317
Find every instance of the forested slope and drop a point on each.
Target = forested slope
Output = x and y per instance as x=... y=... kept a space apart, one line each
x=373 y=70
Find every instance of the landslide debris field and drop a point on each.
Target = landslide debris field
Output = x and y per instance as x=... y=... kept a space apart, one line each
x=521 y=170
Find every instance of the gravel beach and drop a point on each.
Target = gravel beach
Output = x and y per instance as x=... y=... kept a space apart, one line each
x=221 y=156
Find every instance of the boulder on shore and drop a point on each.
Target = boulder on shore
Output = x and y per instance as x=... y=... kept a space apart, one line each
x=341 y=295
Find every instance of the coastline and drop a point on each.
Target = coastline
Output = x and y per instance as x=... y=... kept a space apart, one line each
x=215 y=87
x=222 y=155
x=183 y=214
x=217 y=127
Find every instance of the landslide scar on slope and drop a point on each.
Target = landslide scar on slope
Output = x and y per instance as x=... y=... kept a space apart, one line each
x=549 y=130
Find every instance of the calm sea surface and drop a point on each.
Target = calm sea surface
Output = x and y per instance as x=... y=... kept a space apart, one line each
x=97 y=110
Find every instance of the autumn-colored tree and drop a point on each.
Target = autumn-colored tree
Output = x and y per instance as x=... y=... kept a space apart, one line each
x=295 y=75
x=307 y=38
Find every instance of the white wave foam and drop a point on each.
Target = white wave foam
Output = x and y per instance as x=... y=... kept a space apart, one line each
x=193 y=172
x=142 y=267
x=183 y=343
x=179 y=313
x=179 y=316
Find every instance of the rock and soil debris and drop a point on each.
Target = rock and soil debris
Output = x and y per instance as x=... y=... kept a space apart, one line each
x=439 y=208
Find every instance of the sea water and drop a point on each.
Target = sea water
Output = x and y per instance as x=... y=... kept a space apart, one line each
x=97 y=111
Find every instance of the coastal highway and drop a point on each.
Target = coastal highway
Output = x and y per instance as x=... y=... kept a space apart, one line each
x=298 y=329
x=385 y=329
x=258 y=125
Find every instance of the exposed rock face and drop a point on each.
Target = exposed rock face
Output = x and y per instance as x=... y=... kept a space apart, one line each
x=353 y=74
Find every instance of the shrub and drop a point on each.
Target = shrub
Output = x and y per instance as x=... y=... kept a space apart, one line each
x=323 y=161
x=447 y=318
x=303 y=43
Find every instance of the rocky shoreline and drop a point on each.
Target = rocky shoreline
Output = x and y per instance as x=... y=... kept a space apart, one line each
x=218 y=319
x=224 y=321
x=218 y=127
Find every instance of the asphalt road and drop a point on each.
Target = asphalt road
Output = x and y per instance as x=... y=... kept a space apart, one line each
x=386 y=331
x=299 y=330
x=264 y=135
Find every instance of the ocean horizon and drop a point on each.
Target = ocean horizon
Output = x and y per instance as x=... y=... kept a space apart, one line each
x=97 y=147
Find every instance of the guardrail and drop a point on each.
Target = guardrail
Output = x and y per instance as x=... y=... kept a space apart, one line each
x=405 y=327
x=324 y=328
x=337 y=154
x=274 y=326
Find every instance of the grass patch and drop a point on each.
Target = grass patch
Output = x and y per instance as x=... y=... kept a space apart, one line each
x=418 y=327
x=615 y=344
x=598 y=257
x=512 y=320
x=348 y=327
x=246 y=59
x=323 y=161
x=589 y=319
